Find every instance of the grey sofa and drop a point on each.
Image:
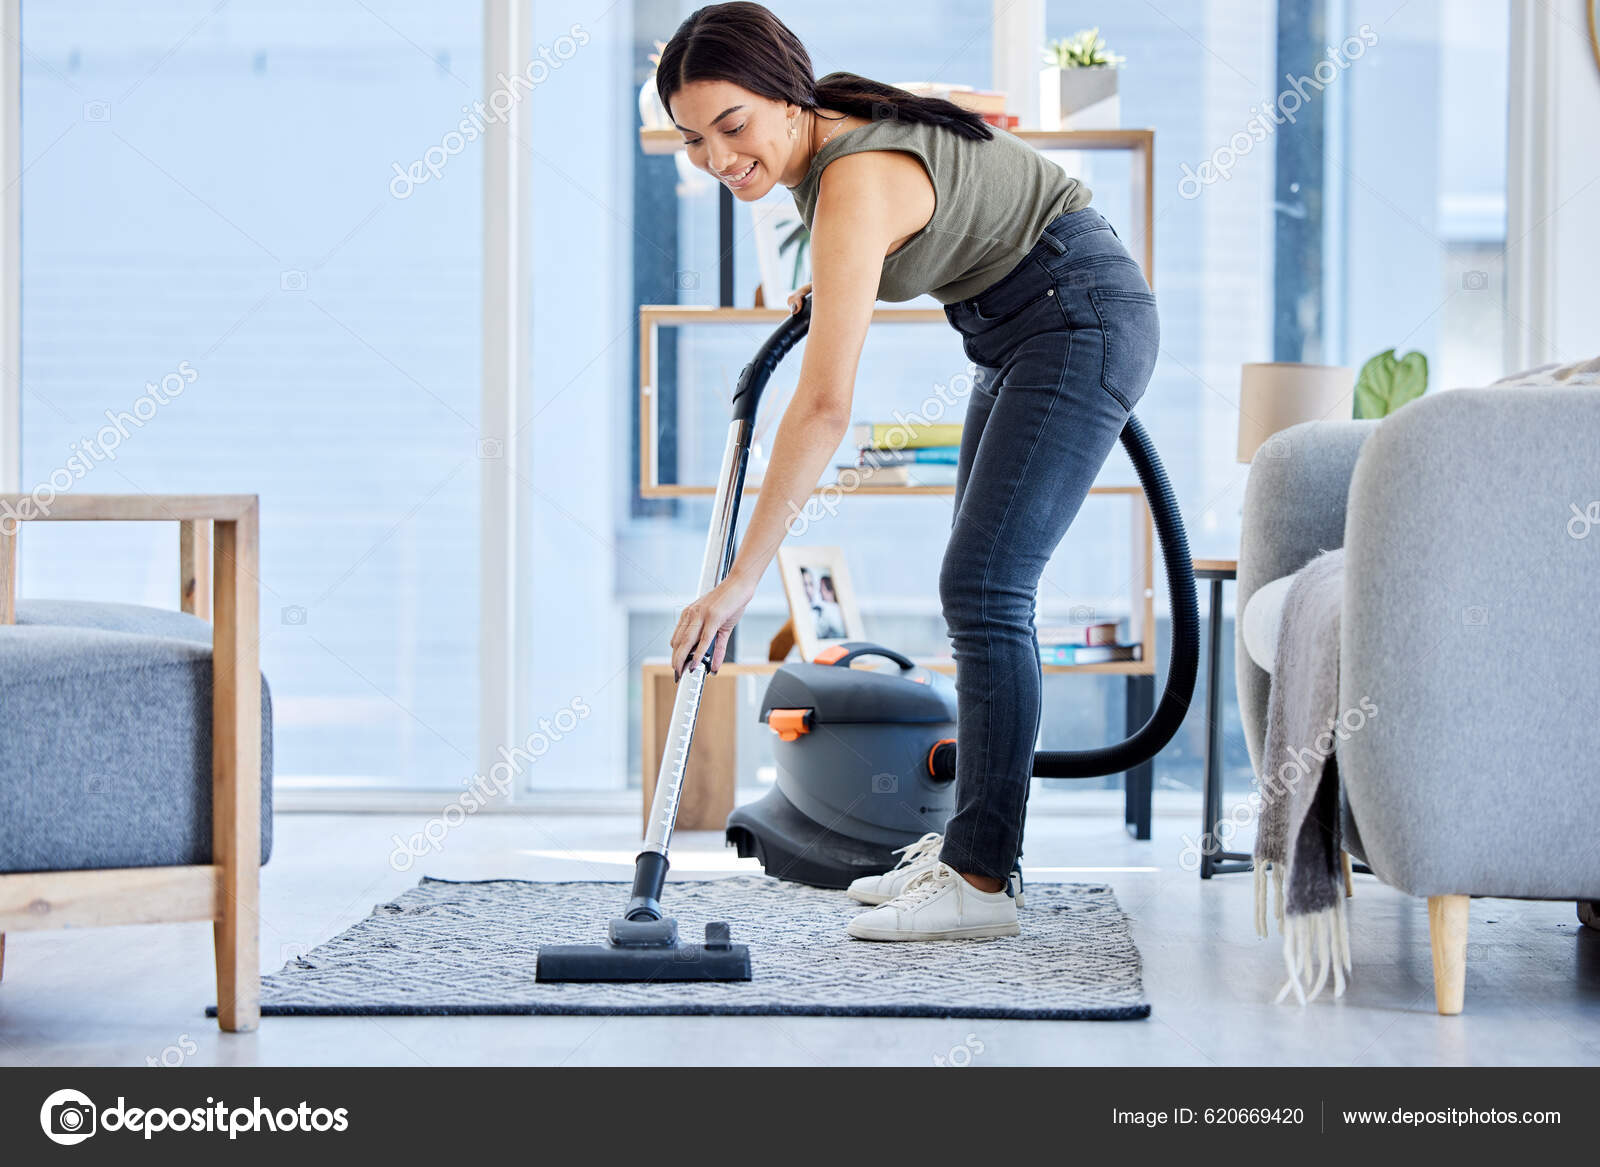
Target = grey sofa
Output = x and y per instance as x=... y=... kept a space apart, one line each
x=136 y=746
x=1470 y=621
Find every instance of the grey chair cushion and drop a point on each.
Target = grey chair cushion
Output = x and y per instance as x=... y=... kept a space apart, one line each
x=105 y=738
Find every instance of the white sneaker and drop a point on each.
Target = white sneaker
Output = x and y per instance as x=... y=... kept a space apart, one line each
x=939 y=905
x=915 y=858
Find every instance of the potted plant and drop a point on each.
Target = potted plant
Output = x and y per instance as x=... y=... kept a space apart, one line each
x=1078 y=85
x=1387 y=382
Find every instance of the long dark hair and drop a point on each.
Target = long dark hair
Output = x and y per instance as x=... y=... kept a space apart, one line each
x=747 y=45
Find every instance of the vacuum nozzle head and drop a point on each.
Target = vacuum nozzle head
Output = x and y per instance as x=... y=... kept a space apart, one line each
x=647 y=951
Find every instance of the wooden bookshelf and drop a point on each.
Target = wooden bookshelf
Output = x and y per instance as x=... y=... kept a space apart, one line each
x=670 y=141
x=1141 y=564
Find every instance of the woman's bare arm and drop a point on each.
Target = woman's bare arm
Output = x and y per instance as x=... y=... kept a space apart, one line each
x=861 y=213
x=852 y=233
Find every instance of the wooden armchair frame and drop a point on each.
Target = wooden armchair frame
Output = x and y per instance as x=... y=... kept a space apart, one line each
x=227 y=891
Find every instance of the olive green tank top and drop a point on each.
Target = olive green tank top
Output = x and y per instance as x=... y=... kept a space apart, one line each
x=992 y=202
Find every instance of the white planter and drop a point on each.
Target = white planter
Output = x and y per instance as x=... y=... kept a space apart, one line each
x=1079 y=99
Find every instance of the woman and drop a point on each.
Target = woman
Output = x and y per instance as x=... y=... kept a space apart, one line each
x=830 y=617
x=907 y=195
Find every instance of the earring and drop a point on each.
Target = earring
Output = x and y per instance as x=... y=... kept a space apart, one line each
x=794 y=131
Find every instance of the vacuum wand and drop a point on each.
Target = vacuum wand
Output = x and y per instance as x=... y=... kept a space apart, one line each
x=651 y=868
x=643 y=943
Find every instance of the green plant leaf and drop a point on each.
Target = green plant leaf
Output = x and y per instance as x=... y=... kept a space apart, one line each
x=1386 y=383
x=1083 y=50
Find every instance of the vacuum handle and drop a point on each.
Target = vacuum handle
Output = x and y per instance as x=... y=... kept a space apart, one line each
x=842 y=654
x=754 y=376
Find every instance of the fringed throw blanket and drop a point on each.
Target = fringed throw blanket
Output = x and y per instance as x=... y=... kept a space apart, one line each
x=1297 y=835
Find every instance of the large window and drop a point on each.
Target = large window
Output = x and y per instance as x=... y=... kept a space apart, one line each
x=209 y=209
x=273 y=203
x=1367 y=213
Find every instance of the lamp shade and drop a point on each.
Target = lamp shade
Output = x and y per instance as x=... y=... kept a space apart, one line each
x=1273 y=397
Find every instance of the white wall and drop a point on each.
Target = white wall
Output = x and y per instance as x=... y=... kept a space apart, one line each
x=1574 y=198
x=1553 y=232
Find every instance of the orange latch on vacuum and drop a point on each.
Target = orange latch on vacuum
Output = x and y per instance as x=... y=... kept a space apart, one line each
x=830 y=654
x=789 y=724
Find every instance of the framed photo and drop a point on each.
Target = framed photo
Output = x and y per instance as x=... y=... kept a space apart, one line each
x=822 y=602
x=782 y=248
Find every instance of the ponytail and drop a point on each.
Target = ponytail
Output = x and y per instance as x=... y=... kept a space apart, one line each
x=876 y=101
x=745 y=44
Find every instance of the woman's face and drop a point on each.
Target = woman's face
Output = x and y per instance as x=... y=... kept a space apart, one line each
x=739 y=138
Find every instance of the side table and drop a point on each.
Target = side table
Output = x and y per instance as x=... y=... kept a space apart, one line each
x=1213 y=860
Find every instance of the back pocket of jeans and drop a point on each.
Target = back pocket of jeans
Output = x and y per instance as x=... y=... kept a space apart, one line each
x=1132 y=332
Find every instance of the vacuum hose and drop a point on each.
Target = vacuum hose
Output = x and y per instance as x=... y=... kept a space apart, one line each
x=1183 y=660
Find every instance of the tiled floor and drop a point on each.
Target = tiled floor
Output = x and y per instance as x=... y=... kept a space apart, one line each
x=126 y=996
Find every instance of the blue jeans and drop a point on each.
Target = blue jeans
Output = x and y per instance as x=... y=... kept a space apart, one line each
x=1064 y=346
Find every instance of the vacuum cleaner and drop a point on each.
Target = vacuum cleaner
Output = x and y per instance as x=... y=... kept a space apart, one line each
x=821 y=820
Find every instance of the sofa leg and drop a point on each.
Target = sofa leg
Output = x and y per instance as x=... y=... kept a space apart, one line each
x=2 y=955
x=236 y=768
x=238 y=975
x=1588 y=916
x=1349 y=875
x=1447 y=928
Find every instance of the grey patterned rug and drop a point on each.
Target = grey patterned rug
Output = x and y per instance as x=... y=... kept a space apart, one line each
x=470 y=948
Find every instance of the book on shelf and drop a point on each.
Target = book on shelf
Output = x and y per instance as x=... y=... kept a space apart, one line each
x=1084 y=654
x=1089 y=634
x=984 y=101
x=925 y=455
x=905 y=435
x=908 y=474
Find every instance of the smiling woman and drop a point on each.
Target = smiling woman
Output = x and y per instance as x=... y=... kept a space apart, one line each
x=908 y=196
